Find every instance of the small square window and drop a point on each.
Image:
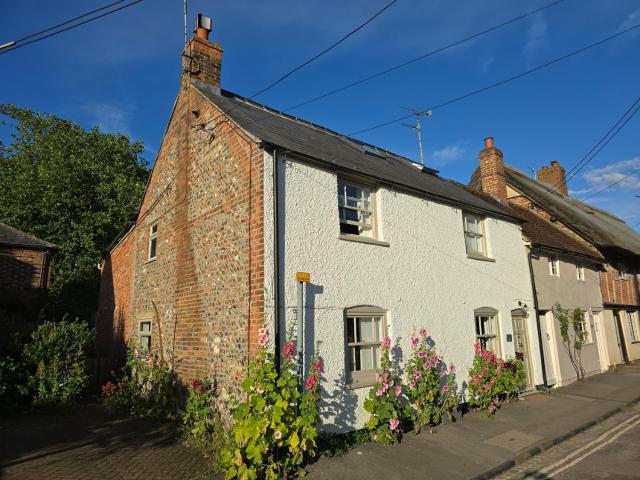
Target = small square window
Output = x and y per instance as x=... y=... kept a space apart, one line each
x=356 y=209
x=474 y=237
x=583 y=326
x=144 y=334
x=365 y=329
x=487 y=332
x=554 y=266
x=580 y=271
x=153 y=241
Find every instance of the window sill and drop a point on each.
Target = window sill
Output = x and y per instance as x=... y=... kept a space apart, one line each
x=355 y=385
x=151 y=260
x=477 y=256
x=359 y=239
x=634 y=342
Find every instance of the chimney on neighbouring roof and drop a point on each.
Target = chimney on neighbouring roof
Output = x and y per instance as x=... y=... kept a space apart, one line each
x=203 y=57
x=554 y=176
x=492 y=180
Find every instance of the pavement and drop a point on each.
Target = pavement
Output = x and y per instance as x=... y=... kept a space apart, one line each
x=475 y=447
x=89 y=444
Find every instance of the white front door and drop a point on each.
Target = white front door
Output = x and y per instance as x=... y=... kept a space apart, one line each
x=521 y=343
x=603 y=351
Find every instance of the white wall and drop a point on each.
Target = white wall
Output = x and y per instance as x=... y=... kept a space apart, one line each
x=423 y=278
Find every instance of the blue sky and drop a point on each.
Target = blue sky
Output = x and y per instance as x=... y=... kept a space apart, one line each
x=122 y=73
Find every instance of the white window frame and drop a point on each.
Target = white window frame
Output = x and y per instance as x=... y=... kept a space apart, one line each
x=554 y=266
x=153 y=239
x=365 y=206
x=144 y=334
x=632 y=323
x=479 y=236
x=580 y=271
x=363 y=378
x=488 y=339
x=587 y=328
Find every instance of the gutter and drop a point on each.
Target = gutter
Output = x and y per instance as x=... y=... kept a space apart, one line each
x=276 y=260
x=536 y=309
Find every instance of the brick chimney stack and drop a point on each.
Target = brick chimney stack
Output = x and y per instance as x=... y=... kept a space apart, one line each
x=554 y=176
x=492 y=179
x=203 y=59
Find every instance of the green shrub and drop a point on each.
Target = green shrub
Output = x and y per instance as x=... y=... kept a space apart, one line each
x=13 y=371
x=275 y=426
x=202 y=426
x=431 y=386
x=385 y=403
x=56 y=358
x=147 y=387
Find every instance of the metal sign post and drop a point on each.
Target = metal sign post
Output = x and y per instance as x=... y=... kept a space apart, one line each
x=302 y=278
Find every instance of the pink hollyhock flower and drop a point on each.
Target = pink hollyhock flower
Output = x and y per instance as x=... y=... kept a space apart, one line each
x=311 y=382
x=386 y=342
x=317 y=364
x=423 y=332
x=475 y=378
x=398 y=390
x=442 y=373
x=496 y=401
x=415 y=341
x=262 y=331
x=445 y=388
x=452 y=368
x=278 y=434
x=393 y=424
x=477 y=348
x=422 y=354
x=137 y=353
x=412 y=383
x=427 y=365
x=263 y=340
x=379 y=392
x=491 y=409
x=378 y=378
x=290 y=349
x=417 y=373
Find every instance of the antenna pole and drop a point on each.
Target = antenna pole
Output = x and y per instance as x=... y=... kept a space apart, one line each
x=186 y=35
x=419 y=130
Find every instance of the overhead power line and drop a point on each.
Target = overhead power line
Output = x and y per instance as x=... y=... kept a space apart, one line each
x=607 y=187
x=502 y=82
x=24 y=41
x=422 y=56
x=598 y=146
x=323 y=52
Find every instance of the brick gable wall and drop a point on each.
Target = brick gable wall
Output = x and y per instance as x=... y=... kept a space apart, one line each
x=23 y=268
x=206 y=286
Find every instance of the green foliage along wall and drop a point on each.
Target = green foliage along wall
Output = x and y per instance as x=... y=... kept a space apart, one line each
x=73 y=187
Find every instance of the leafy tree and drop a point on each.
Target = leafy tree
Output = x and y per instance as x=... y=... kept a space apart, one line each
x=73 y=187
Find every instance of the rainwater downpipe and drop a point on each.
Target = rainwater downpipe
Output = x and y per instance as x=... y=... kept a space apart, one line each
x=276 y=261
x=536 y=313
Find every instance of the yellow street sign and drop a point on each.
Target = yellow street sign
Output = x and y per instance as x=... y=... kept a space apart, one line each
x=303 y=277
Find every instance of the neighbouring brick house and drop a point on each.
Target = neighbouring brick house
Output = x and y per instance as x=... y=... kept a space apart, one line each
x=607 y=238
x=25 y=272
x=242 y=197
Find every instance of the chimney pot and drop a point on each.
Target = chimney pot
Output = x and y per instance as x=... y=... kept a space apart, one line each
x=203 y=26
x=488 y=142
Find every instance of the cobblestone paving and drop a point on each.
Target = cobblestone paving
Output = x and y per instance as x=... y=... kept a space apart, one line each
x=89 y=444
x=531 y=469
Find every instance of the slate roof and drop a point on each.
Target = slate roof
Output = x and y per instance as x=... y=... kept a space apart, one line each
x=604 y=230
x=343 y=153
x=543 y=233
x=17 y=238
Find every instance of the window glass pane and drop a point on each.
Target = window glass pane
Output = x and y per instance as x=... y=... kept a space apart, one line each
x=145 y=326
x=154 y=229
x=367 y=333
x=376 y=356
x=366 y=358
x=152 y=248
x=349 y=229
x=351 y=337
x=145 y=342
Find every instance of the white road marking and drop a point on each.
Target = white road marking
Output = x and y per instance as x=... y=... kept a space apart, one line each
x=618 y=432
x=589 y=445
